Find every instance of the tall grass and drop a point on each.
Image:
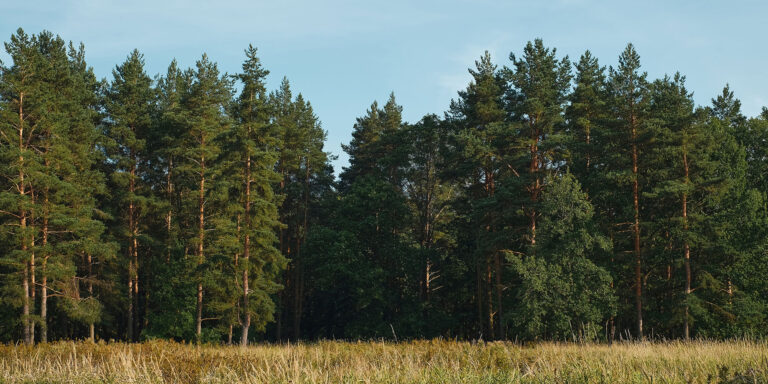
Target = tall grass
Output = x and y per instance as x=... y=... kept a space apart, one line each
x=434 y=361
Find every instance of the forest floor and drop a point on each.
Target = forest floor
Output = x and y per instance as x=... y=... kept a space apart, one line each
x=383 y=362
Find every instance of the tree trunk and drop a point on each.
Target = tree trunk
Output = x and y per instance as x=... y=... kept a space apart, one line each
x=297 y=290
x=132 y=289
x=281 y=296
x=134 y=249
x=199 y=318
x=91 y=327
x=32 y=285
x=200 y=247
x=502 y=330
x=636 y=230
x=537 y=183
x=44 y=304
x=44 y=273
x=686 y=250
x=169 y=217
x=479 y=294
x=23 y=225
x=612 y=320
x=489 y=298
x=25 y=305
x=130 y=302
x=299 y=280
x=246 y=253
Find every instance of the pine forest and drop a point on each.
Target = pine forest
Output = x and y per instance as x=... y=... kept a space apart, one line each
x=556 y=199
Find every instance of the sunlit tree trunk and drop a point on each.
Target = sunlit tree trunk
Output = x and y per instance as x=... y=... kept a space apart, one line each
x=686 y=249
x=200 y=245
x=23 y=226
x=246 y=253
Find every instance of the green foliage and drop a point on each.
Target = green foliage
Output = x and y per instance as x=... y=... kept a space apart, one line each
x=542 y=206
x=563 y=294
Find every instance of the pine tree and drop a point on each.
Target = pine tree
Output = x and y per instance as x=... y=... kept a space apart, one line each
x=430 y=194
x=256 y=150
x=586 y=116
x=312 y=160
x=129 y=104
x=590 y=150
x=82 y=185
x=683 y=181
x=629 y=89
x=23 y=109
x=169 y=312
x=540 y=85
x=204 y=120
x=483 y=135
x=364 y=149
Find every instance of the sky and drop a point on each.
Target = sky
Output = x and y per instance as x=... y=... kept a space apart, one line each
x=344 y=54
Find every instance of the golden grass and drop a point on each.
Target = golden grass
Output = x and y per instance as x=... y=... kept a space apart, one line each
x=382 y=362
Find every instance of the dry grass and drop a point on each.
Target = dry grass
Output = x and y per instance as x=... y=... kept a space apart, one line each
x=380 y=362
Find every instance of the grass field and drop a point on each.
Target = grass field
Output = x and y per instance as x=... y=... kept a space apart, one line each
x=382 y=362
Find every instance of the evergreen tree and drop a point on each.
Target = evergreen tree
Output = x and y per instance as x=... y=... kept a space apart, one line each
x=682 y=174
x=628 y=87
x=129 y=104
x=430 y=194
x=255 y=152
x=586 y=116
x=483 y=139
x=204 y=121
x=540 y=85
x=24 y=107
x=170 y=312
x=82 y=186
x=50 y=147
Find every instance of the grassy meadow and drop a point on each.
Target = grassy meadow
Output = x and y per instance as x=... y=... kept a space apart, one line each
x=383 y=362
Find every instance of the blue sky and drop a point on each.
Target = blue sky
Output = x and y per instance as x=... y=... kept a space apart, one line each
x=343 y=54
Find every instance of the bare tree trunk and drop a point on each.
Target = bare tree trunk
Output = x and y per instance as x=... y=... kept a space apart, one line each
x=32 y=283
x=44 y=303
x=130 y=301
x=536 y=187
x=134 y=248
x=23 y=225
x=169 y=216
x=91 y=326
x=489 y=292
x=200 y=247
x=44 y=273
x=246 y=254
x=25 y=305
x=199 y=318
x=497 y=269
x=686 y=249
x=132 y=258
x=636 y=229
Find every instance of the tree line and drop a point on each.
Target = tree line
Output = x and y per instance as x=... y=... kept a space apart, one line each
x=554 y=200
